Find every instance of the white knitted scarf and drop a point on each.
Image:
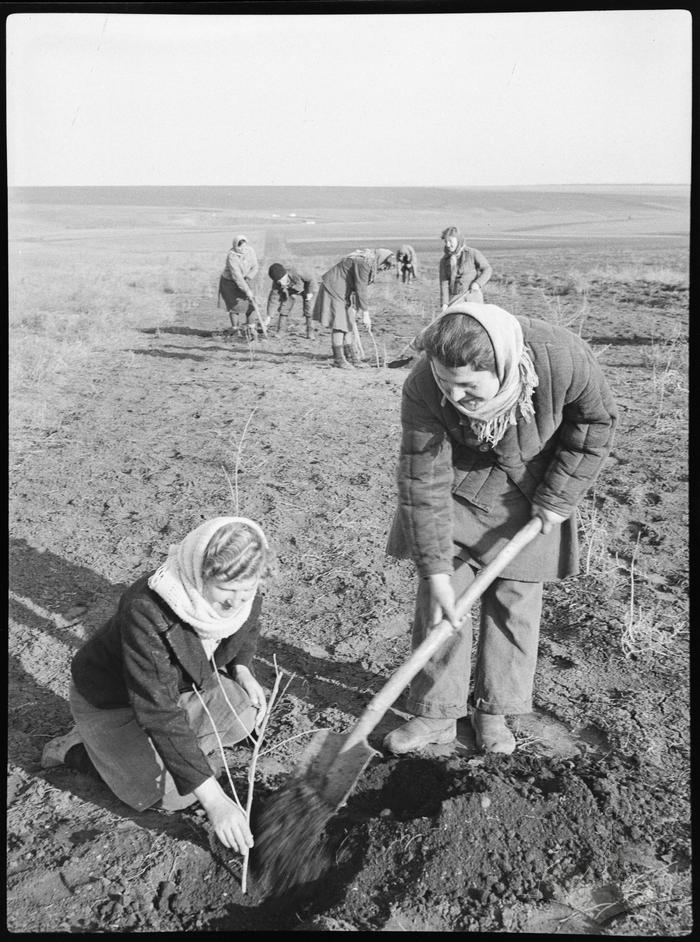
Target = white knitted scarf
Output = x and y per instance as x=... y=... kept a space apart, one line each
x=515 y=371
x=178 y=581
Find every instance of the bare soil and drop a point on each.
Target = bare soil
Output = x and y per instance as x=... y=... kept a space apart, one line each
x=584 y=829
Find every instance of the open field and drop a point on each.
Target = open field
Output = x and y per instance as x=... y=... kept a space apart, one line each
x=133 y=415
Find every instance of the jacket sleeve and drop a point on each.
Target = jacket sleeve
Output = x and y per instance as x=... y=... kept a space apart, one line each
x=253 y=263
x=585 y=436
x=233 y=264
x=358 y=281
x=273 y=302
x=425 y=477
x=483 y=267
x=310 y=283
x=151 y=681
x=444 y=278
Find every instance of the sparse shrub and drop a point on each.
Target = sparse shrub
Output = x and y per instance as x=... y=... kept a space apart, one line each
x=576 y=283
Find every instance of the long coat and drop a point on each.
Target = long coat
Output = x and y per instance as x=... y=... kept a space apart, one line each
x=345 y=285
x=449 y=482
x=145 y=657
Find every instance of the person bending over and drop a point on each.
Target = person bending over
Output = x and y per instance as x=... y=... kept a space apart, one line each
x=503 y=419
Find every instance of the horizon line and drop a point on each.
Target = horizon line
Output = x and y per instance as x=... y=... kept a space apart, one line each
x=329 y=186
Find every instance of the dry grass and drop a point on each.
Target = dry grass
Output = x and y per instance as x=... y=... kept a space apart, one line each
x=648 y=632
x=647 y=274
x=59 y=324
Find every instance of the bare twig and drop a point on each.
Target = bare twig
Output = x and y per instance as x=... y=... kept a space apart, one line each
x=376 y=352
x=221 y=749
x=238 y=461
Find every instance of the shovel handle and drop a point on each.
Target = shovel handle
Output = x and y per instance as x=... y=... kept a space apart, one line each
x=390 y=692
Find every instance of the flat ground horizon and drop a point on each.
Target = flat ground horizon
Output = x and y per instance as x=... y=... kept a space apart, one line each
x=134 y=414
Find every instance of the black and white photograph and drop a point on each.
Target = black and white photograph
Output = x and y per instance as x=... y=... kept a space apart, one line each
x=348 y=504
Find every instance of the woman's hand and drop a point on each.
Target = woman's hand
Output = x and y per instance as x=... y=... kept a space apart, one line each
x=256 y=694
x=366 y=320
x=442 y=599
x=227 y=819
x=548 y=517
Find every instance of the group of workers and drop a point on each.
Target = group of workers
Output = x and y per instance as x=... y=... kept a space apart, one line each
x=341 y=299
x=502 y=419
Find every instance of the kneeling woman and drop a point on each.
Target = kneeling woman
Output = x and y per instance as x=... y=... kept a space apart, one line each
x=503 y=419
x=175 y=657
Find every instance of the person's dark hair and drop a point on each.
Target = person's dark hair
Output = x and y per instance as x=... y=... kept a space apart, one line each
x=449 y=232
x=235 y=551
x=458 y=340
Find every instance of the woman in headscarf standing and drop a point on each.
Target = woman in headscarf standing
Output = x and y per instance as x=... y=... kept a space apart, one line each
x=462 y=269
x=503 y=419
x=344 y=291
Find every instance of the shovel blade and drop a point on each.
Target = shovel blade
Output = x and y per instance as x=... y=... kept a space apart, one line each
x=331 y=769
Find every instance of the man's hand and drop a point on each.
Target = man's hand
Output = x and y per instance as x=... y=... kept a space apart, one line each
x=256 y=694
x=548 y=517
x=227 y=819
x=442 y=599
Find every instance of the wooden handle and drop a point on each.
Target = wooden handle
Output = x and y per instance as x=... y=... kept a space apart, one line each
x=384 y=698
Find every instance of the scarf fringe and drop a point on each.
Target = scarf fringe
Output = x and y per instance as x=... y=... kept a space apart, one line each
x=494 y=429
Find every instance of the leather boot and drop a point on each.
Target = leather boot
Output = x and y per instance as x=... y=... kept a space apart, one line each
x=491 y=733
x=419 y=732
x=339 y=359
x=351 y=354
x=282 y=325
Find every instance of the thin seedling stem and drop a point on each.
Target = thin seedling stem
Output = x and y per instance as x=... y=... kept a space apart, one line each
x=238 y=460
x=221 y=749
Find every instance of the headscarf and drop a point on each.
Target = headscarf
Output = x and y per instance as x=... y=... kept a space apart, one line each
x=180 y=583
x=460 y=243
x=239 y=238
x=515 y=371
x=382 y=256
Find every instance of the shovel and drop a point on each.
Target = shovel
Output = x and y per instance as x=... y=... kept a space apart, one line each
x=291 y=823
x=333 y=762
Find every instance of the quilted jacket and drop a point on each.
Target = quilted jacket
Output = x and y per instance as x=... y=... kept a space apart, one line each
x=553 y=459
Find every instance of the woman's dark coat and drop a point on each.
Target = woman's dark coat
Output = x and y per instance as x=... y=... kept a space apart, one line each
x=144 y=657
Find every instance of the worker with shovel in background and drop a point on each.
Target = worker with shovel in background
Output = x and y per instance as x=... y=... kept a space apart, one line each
x=462 y=269
x=503 y=419
x=237 y=287
x=343 y=294
x=288 y=283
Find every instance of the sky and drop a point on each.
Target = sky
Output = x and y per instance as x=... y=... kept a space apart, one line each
x=400 y=99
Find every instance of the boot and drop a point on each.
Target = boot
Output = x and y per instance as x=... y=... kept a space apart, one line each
x=339 y=359
x=419 y=732
x=351 y=354
x=309 y=330
x=282 y=324
x=491 y=733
